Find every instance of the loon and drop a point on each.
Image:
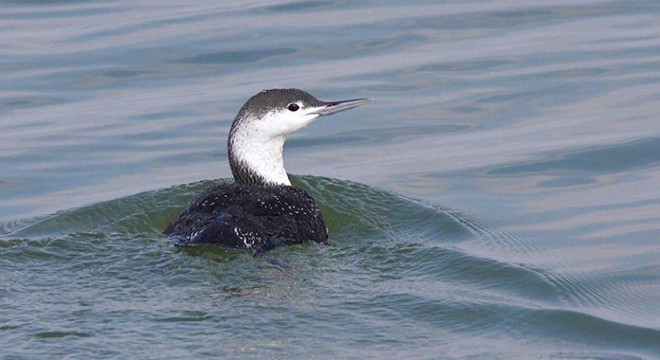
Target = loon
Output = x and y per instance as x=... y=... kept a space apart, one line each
x=260 y=209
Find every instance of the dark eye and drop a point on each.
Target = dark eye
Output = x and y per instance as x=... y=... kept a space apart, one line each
x=293 y=107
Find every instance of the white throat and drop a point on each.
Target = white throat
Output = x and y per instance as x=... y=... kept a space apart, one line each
x=256 y=145
x=262 y=155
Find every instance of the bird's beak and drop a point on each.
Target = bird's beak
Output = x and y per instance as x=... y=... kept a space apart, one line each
x=332 y=107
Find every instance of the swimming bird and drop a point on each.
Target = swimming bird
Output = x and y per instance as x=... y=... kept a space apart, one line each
x=260 y=209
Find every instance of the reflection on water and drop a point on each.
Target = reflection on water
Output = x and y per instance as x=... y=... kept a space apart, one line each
x=539 y=120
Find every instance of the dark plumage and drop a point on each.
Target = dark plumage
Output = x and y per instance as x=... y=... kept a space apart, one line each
x=252 y=217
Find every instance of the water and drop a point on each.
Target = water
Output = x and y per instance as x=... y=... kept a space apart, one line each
x=499 y=199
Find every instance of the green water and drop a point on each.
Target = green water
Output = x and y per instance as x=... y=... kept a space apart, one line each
x=498 y=199
x=398 y=275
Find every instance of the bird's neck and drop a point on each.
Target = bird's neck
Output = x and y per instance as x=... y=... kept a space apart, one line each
x=256 y=159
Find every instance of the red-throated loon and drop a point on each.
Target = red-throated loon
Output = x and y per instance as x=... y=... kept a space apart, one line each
x=261 y=209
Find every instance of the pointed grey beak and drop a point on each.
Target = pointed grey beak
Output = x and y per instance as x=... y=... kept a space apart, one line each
x=332 y=107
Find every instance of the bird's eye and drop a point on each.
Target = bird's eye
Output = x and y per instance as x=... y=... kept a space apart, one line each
x=293 y=107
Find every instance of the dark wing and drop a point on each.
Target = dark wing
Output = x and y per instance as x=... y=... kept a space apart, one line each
x=249 y=217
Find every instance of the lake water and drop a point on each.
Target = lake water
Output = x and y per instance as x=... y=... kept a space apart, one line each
x=500 y=198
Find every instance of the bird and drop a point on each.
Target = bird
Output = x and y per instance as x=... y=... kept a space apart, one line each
x=260 y=209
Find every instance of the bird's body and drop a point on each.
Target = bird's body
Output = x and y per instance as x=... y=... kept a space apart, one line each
x=252 y=217
x=261 y=209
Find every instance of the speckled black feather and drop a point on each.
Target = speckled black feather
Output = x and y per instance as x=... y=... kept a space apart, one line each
x=250 y=217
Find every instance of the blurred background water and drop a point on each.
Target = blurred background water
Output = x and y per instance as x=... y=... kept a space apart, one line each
x=499 y=198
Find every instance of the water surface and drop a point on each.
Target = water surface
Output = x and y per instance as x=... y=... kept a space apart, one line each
x=499 y=199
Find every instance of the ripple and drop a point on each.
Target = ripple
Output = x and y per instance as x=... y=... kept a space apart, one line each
x=60 y=334
x=239 y=56
x=186 y=316
x=299 y=6
x=607 y=159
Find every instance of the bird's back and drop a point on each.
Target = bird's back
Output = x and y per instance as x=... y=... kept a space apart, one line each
x=251 y=217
